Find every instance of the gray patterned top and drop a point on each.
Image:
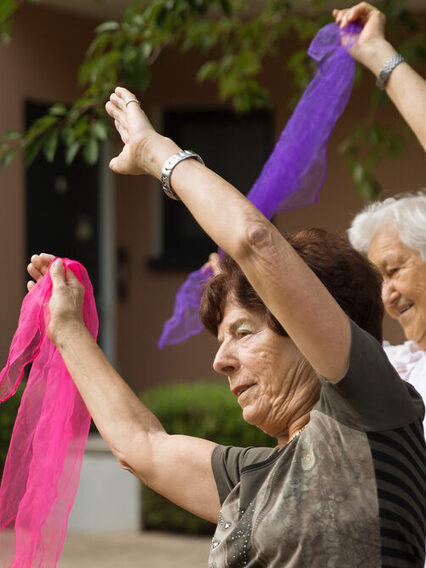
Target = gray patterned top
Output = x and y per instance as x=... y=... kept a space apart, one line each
x=348 y=492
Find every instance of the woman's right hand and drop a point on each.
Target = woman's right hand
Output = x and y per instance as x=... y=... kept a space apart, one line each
x=144 y=150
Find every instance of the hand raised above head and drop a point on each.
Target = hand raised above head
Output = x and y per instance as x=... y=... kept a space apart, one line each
x=38 y=266
x=144 y=150
x=373 y=27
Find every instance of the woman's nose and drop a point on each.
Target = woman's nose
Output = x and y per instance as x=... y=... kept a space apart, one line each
x=225 y=362
x=389 y=293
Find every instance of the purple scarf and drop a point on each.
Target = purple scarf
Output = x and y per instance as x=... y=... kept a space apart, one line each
x=295 y=171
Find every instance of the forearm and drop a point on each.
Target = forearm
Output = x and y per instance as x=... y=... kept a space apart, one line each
x=276 y=272
x=405 y=87
x=124 y=422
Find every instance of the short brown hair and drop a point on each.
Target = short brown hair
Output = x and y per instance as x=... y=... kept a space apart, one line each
x=350 y=278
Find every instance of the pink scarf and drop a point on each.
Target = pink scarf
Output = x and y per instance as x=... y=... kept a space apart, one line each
x=42 y=469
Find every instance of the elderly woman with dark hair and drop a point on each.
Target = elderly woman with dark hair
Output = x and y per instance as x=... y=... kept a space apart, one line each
x=392 y=233
x=298 y=321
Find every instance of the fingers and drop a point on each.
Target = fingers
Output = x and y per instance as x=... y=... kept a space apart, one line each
x=214 y=259
x=57 y=274
x=34 y=272
x=122 y=130
x=129 y=116
x=359 y=12
x=212 y=265
x=38 y=266
x=135 y=130
x=123 y=95
x=115 y=110
x=343 y=17
x=117 y=106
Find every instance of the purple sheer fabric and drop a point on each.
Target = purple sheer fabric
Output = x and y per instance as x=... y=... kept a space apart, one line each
x=42 y=469
x=295 y=171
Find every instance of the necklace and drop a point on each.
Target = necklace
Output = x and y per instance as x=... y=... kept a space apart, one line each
x=297 y=433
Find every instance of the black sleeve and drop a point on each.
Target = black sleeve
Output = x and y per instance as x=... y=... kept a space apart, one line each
x=229 y=461
x=371 y=396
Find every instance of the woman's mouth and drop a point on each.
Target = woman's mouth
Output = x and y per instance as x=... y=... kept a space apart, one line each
x=238 y=391
x=404 y=309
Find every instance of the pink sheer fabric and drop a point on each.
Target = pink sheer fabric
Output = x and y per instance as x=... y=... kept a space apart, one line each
x=42 y=469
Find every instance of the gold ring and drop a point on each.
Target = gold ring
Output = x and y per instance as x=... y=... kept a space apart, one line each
x=132 y=101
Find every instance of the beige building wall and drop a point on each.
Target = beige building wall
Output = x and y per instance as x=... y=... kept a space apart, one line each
x=41 y=62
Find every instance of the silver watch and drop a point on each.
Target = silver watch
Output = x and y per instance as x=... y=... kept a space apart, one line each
x=171 y=163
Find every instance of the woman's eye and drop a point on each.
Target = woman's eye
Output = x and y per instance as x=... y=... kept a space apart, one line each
x=392 y=271
x=243 y=332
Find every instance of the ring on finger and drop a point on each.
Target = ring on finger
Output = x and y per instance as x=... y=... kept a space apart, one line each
x=132 y=101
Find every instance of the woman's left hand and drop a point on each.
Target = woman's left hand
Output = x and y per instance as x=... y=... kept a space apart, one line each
x=144 y=150
x=212 y=265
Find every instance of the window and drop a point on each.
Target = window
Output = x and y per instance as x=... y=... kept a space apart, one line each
x=235 y=147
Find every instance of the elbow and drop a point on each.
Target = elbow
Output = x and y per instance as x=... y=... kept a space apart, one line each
x=124 y=460
x=260 y=235
x=131 y=464
x=138 y=456
x=257 y=240
x=124 y=464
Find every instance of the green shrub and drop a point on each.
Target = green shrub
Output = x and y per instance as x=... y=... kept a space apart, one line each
x=8 y=412
x=206 y=410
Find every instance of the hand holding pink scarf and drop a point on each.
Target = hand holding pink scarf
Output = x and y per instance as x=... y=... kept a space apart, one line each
x=42 y=469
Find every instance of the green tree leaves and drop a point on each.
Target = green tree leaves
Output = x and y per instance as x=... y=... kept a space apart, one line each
x=235 y=40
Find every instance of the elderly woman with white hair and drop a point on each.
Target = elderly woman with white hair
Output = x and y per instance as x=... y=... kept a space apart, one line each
x=392 y=233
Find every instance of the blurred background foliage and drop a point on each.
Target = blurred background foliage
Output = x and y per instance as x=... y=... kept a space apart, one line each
x=204 y=410
x=9 y=410
x=234 y=39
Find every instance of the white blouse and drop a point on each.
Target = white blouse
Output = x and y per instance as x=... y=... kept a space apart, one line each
x=410 y=362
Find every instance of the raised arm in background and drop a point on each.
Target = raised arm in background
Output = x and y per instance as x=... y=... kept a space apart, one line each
x=405 y=87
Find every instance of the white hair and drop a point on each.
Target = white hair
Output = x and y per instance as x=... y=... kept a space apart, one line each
x=404 y=213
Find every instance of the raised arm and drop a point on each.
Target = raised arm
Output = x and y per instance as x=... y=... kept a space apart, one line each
x=177 y=467
x=291 y=291
x=405 y=87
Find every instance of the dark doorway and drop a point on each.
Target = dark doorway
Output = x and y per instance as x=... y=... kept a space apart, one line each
x=62 y=206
